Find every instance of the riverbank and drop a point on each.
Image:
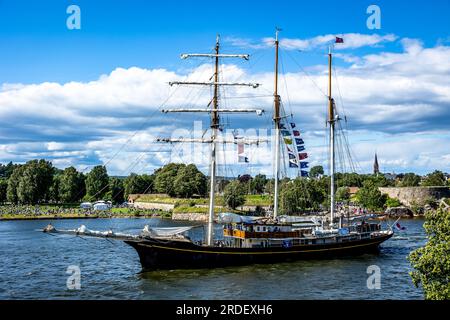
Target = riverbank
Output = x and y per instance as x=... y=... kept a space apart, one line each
x=53 y=212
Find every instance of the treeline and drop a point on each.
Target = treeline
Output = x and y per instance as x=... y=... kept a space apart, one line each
x=38 y=181
x=312 y=194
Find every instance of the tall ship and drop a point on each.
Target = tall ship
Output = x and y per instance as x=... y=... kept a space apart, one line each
x=248 y=240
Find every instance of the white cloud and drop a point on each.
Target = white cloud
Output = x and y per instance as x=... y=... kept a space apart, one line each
x=351 y=41
x=115 y=119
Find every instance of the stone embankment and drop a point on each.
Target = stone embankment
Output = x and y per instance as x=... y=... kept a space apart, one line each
x=416 y=196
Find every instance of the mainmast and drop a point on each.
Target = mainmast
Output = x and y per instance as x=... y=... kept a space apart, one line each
x=331 y=121
x=214 y=127
x=215 y=122
x=276 y=120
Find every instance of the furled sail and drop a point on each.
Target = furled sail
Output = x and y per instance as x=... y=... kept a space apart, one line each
x=165 y=232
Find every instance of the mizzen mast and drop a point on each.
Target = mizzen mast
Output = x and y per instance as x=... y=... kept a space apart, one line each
x=215 y=122
x=331 y=121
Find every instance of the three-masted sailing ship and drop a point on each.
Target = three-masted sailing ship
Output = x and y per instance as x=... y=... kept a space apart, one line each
x=263 y=240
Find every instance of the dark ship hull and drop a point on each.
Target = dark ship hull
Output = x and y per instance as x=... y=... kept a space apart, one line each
x=155 y=254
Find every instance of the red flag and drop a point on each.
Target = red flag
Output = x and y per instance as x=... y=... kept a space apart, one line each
x=296 y=133
x=302 y=156
x=339 y=40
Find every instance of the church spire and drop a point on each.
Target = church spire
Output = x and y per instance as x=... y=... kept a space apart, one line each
x=376 y=168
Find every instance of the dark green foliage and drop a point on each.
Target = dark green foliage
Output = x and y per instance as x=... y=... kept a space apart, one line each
x=71 y=185
x=370 y=197
x=31 y=182
x=315 y=171
x=434 y=179
x=377 y=180
x=138 y=184
x=189 y=181
x=300 y=195
x=431 y=263
x=410 y=180
x=349 y=180
x=13 y=183
x=258 y=183
x=234 y=194
x=392 y=203
x=245 y=178
x=342 y=194
x=165 y=178
x=97 y=183
x=54 y=189
x=3 y=189
x=7 y=170
x=116 y=191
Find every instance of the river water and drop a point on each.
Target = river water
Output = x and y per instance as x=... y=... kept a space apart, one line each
x=34 y=265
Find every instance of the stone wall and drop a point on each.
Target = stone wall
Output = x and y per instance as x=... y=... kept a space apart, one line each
x=153 y=205
x=416 y=195
x=190 y=216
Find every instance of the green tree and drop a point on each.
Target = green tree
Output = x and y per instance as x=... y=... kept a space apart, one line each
x=116 y=190
x=13 y=183
x=315 y=171
x=342 y=194
x=299 y=195
x=189 y=181
x=431 y=263
x=7 y=170
x=392 y=202
x=137 y=184
x=234 y=194
x=269 y=187
x=379 y=180
x=97 y=183
x=54 y=189
x=165 y=177
x=370 y=197
x=35 y=182
x=71 y=185
x=434 y=179
x=351 y=179
x=258 y=184
x=410 y=180
x=3 y=188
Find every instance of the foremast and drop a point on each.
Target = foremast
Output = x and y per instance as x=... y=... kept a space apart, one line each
x=276 y=120
x=215 y=123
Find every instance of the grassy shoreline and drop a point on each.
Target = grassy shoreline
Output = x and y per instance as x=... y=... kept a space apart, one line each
x=45 y=212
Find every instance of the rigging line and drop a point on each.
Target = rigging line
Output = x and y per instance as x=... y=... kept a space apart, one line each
x=283 y=74
x=355 y=163
x=146 y=120
x=177 y=146
x=136 y=162
x=307 y=75
x=340 y=95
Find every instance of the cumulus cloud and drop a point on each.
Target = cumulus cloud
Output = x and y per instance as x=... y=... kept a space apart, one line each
x=116 y=118
x=351 y=41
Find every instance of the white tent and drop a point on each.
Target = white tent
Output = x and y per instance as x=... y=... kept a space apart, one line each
x=86 y=205
x=101 y=206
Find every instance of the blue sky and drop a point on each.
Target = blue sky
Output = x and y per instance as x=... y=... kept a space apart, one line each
x=36 y=46
x=140 y=36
